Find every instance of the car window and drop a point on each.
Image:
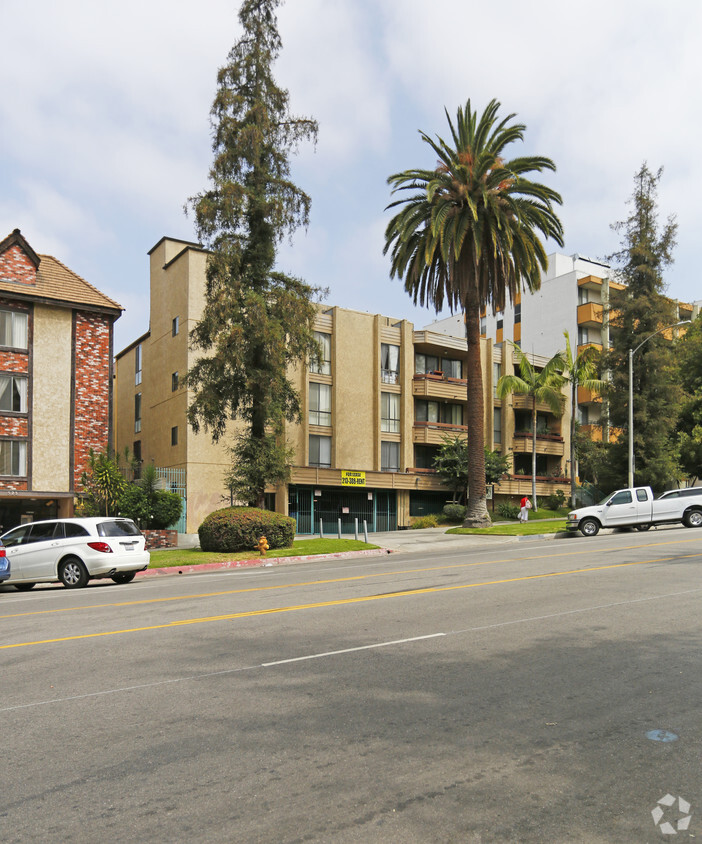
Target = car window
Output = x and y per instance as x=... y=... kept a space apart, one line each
x=674 y=494
x=41 y=531
x=16 y=536
x=689 y=493
x=641 y=495
x=118 y=527
x=73 y=530
x=623 y=497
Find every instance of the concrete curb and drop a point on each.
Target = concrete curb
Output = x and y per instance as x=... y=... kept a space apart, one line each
x=261 y=562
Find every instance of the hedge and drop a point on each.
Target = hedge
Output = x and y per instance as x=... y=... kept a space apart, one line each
x=239 y=529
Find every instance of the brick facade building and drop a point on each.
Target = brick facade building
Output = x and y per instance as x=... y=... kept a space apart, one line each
x=56 y=348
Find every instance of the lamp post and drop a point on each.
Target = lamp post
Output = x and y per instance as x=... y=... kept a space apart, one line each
x=632 y=352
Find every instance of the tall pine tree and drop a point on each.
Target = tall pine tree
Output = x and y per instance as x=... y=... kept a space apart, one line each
x=257 y=321
x=638 y=312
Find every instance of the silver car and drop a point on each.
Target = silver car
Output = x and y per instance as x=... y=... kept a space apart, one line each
x=73 y=551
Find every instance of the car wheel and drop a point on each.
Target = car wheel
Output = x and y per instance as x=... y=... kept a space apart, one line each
x=693 y=518
x=589 y=527
x=643 y=527
x=72 y=573
x=124 y=576
x=24 y=587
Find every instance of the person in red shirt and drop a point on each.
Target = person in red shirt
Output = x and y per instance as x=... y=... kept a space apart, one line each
x=524 y=507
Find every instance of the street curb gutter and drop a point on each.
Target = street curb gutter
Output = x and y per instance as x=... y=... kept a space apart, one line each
x=261 y=562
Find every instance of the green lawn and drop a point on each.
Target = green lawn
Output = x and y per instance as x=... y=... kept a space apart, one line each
x=531 y=528
x=303 y=548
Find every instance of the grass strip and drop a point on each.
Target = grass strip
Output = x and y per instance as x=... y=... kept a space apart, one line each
x=516 y=529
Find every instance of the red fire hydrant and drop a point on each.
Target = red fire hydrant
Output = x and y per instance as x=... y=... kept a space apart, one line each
x=262 y=545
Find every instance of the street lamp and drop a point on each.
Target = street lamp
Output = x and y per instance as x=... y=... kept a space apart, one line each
x=632 y=352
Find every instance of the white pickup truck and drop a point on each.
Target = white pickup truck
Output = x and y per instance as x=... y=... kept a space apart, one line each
x=637 y=508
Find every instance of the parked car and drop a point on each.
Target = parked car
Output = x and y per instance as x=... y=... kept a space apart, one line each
x=74 y=551
x=4 y=564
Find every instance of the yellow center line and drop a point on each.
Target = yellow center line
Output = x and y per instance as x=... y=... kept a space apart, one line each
x=335 y=603
x=329 y=581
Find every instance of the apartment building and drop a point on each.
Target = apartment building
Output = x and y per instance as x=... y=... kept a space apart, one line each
x=56 y=349
x=577 y=294
x=375 y=411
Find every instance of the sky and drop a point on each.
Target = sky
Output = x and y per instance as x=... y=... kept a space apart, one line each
x=105 y=131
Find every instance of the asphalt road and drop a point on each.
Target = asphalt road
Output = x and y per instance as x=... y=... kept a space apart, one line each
x=499 y=694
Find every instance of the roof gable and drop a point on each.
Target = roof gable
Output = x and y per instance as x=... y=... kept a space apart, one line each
x=18 y=261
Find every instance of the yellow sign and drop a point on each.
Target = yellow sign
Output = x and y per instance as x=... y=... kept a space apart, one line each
x=352 y=478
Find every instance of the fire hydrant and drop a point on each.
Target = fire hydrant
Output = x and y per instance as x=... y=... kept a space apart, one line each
x=262 y=545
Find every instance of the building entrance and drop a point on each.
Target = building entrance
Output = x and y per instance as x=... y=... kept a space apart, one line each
x=307 y=505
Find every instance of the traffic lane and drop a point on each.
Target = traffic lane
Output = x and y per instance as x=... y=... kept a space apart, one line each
x=48 y=617
x=517 y=732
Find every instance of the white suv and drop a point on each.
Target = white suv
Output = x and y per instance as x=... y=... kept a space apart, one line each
x=73 y=551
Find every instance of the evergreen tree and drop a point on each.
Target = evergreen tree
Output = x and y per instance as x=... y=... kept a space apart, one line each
x=257 y=321
x=689 y=356
x=638 y=312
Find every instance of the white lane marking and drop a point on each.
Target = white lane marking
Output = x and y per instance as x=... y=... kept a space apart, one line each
x=351 y=650
x=334 y=653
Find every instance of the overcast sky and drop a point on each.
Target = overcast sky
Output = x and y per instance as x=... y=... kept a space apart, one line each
x=105 y=128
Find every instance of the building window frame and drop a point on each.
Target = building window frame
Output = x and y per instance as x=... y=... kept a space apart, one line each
x=14 y=326
x=13 y=456
x=389 y=363
x=175 y=383
x=320 y=404
x=320 y=451
x=323 y=366
x=174 y=435
x=389 y=456
x=13 y=393
x=137 y=413
x=390 y=413
x=175 y=326
x=137 y=364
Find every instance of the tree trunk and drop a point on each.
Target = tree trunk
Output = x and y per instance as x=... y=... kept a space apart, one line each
x=573 y=399
x=533 y=456
x=476 y=511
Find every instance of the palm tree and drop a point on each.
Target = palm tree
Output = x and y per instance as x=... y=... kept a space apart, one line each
x=468 y=233
x=579 y=372
x=543 y=386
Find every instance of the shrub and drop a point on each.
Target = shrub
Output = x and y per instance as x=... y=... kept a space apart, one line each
x=239 y=528
x=555 y=500
x=507 y=510
x=425 y=522
x=155 y=510
x=166 y=509
x=454 y=512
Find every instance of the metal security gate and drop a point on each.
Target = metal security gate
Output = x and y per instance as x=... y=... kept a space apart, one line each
x=378 y=508
x=174 y=481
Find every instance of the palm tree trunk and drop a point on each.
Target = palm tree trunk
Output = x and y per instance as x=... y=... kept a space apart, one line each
x=533 y=455
x=573 y=399
x=476 y=510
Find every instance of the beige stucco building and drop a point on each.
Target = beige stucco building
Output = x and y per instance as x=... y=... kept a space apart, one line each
x=374 y=412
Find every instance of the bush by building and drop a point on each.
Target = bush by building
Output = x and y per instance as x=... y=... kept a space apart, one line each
x=239 y=529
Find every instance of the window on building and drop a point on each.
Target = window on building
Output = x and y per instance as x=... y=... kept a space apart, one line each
x=496 y=375
x=320 y=404
x=434 y=411
x=137 y=413
x=389 y=363
x=137 y=365
x=517 y=313
x=425 y=363
x=175 y=326
x=136 y=452
x=323 y=366
x=483 y=326
x=452 y=368
x=174 y=381
x=174 y=435
x=583 y=295
x=497 y=425
x=13 y=458
x=13 y=329
x=583 y=336
x=320 y=451
x=499 y=316
x=13 y=393
x=390 y=413
x=583 y=414
x=389 y=457
x=424 y=456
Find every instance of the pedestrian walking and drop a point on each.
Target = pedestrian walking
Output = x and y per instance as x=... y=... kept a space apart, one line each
x=524 y=507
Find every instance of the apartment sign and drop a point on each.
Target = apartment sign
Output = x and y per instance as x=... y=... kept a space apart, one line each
x=352 y=478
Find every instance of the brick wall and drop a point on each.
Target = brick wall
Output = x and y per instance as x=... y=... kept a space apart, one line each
x=92 y=388
x=160 y=539
x=16 y=266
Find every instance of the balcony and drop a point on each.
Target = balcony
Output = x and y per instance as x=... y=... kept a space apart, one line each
x=581 y=348
x=545 y=443
x=434 y=433
x=590 y=314
x=437 y=386
x=586 y=396
x=520 y=401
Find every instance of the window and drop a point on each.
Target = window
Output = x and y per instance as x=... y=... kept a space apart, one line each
x=583 y=295
x=13 y=458
x=174 y=382
x=641 y=495
x=175 y=326
x=433 y=411
x=322 y=366
x=583 y=414
x=72 y=530
x=623 y=497
x=13 y=329
x=389 y=363
x=499 y=316
x=137 y=365
x=320 y=451
x=424 y=456
x=451 y=368
x=390 y=413
x=137 y=413
x=496 y=375
x=174 y=435
x=13 y=393
x=320 y=404
x=517 y=313
x=136 y=450
x=497 y=425
x=483 y=326
x=582 y=336
x=425 y=363
x=389 y=457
